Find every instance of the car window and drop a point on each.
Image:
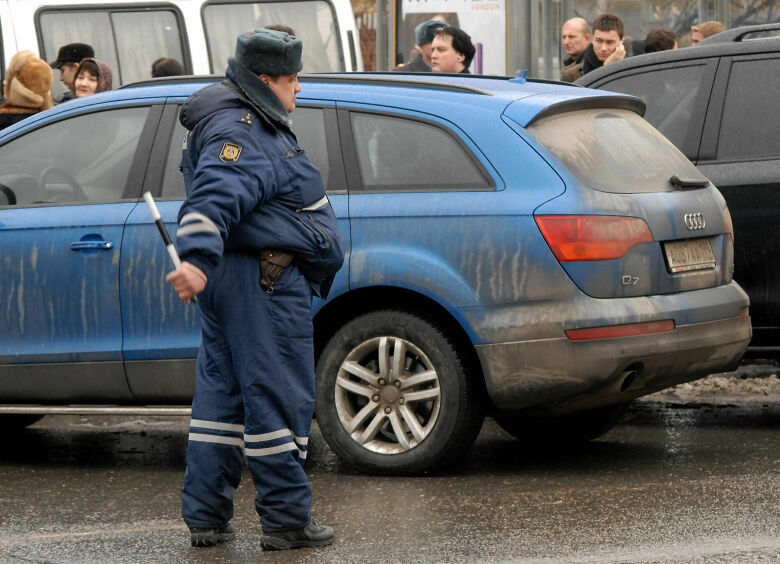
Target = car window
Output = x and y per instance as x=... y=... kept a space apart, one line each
x=82 y=159
x=309 y=128
x=613 y=150
x=404 y=154
x=670 y=95
x=173 y=181
x=750 y=125
x=114 y=37
x=314 y=21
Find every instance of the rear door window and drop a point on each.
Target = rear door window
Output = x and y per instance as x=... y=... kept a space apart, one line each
x=314 y=21
x=114 y=34
x=674 y=104
x=613 y=150
x=750 y=128
x=399 y=154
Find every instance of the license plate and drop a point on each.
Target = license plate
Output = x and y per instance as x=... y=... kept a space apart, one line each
x=691 y=254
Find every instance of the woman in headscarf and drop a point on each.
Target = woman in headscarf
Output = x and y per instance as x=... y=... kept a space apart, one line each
x=27 y=88
x=93 y=76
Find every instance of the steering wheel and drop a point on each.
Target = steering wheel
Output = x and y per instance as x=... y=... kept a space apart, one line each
x=78 y=194
x=9 y=196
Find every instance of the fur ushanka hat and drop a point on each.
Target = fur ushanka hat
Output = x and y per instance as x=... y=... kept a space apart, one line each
x=267 y=51
x=28 y=83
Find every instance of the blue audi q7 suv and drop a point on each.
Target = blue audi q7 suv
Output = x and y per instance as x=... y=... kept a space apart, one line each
x=531 y=250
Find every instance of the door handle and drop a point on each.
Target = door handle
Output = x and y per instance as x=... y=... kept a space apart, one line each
x=88 y=245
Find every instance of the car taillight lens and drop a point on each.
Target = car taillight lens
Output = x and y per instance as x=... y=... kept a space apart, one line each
x=613 y=331
x=592 y=237
x=729 y=227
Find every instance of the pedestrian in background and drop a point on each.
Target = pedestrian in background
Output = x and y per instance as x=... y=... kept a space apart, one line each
x=27 y=88
x=423 y=36
x=452 y=51
x=575 y=37
x=606 y=47
x=167 y=66
x=92 y=76
x=702 y=31
x=67 y=62
x=660 y=40
x=257 y=238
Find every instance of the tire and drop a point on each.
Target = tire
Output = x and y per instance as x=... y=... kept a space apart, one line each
x=387 y=421
x=11 y=423
x=565 y=429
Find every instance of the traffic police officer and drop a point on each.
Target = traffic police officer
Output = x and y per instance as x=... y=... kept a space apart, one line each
x=257 y=237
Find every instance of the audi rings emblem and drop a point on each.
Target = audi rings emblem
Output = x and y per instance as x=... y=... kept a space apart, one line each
x=694 y=221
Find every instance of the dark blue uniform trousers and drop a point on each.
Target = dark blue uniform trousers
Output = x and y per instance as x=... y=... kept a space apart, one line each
x=254 y=396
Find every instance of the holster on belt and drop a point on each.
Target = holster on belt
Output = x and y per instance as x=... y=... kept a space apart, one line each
x=272 y=263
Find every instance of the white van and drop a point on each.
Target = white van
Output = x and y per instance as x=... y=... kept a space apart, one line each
x=129 y=35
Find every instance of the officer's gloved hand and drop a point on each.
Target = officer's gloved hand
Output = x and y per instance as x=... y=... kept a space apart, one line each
x=187 y=280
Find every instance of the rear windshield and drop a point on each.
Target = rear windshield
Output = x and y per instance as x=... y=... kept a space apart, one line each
x=314 y=21
x=613 y=150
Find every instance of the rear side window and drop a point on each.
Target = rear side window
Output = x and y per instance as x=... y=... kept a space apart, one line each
x=83 y=159
x=404 y=154
x=114 y=34
x=613 y=150
x=670 y=95
x=314 y=21
x=750 y=126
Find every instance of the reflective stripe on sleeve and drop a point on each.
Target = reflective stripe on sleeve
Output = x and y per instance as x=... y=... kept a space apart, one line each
x=196 y=223
x=316 y=205
x=204 y=438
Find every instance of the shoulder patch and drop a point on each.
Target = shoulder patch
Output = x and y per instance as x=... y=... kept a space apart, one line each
x=230 y=153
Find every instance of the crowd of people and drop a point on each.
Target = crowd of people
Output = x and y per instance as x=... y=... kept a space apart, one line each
x=586 y=52
x=28 y=80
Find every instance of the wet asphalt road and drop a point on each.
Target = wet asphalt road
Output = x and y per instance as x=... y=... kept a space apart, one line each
x=673 y=483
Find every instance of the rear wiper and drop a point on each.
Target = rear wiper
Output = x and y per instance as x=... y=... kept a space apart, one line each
x=678 y=182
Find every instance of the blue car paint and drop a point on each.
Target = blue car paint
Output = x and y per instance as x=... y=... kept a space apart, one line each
x=478 y=254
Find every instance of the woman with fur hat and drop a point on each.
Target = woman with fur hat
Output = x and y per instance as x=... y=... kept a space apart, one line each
x=93 y=76
x=27 y=88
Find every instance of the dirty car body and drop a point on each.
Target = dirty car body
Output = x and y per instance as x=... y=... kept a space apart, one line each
x=513 y=247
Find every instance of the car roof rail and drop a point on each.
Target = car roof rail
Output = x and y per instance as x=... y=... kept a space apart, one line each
x=178 y=79
x=745 y=33
x=409 y=80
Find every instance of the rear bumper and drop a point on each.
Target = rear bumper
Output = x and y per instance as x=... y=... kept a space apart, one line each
x=557 y=375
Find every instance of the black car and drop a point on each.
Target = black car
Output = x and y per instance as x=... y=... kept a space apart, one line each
x=718 y=103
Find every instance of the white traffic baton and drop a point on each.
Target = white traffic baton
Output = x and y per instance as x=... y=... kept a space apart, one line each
x=164 y=233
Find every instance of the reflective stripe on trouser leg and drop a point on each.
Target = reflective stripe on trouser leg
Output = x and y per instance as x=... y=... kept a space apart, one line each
x=270 y=337
x=215 y=448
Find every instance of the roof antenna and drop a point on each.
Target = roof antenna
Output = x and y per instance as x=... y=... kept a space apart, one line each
x=520 y=77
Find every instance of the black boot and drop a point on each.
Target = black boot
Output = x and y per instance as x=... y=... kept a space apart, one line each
x=309 y=536
x=210 y=537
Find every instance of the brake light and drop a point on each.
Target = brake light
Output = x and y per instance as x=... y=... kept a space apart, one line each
x=592 y=237
x=729 y=227
x=628 y=330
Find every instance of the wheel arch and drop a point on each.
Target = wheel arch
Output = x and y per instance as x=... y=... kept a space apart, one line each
x=350 y=305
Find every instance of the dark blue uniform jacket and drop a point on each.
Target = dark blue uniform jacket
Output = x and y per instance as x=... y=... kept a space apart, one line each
x=250 y=186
